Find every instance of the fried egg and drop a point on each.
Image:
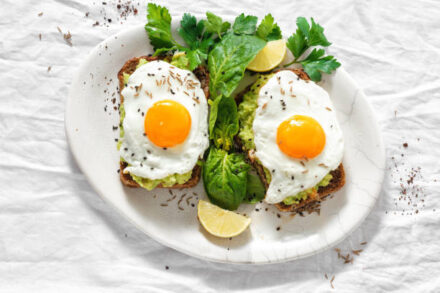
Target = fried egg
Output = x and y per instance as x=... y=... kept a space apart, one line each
x=166 y=121
x=296 y=134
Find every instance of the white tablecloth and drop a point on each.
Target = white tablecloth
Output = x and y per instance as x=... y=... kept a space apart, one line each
x=57 y=235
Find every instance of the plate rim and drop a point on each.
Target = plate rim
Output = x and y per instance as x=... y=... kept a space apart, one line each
x=69 y=137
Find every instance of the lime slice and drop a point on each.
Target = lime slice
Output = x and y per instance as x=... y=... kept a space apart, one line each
x=270 y=57
x=220 y=222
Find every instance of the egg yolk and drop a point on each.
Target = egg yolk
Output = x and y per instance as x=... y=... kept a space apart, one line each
x=167 y=123
x=301 y=137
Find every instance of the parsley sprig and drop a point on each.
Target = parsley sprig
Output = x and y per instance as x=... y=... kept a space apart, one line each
x=199 y=36
x=308 y=36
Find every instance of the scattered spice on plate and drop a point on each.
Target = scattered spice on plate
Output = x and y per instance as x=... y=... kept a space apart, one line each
x=331 y=282
x=40 y=14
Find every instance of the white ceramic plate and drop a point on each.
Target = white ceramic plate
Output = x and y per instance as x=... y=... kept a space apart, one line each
x=173 y=223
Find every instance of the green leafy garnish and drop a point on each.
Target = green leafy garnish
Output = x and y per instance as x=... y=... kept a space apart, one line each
x=214 y=24
x=225 y=178
x=197 y=35
x=227 y=62
x=197 y=38
x=315 y=63
x=245 y=25
x=268 y=30
x=305 y=37
x=224 y=126
x=159 y=27
x=255 y=190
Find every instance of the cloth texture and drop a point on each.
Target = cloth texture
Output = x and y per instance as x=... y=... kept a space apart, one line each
x=57 y=235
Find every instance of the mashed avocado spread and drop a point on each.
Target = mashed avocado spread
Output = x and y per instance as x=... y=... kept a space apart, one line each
x=246 y=115
x=145 y=182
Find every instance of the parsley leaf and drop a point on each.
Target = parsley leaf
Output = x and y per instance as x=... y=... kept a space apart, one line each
x=316 y=36
x=194 y=35
x=159 y=27
x=190 y=30
x=245 y=25
x=215 y=24
x=297 y=44
x=308 y=36
x=315 y=63
x=227 y=62
x=268 y=30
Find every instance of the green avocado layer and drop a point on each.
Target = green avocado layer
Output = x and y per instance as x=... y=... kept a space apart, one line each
x=246 y=115
x=145 y=182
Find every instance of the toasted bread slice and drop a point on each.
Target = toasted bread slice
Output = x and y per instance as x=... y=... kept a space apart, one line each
x=312 y=203
x=129 y=67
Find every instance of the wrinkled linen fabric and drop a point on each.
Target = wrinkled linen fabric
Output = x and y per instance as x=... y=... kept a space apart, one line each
x=57 y=235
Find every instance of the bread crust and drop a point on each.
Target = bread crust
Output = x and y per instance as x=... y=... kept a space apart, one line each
x=129 y=67
x=312 y=203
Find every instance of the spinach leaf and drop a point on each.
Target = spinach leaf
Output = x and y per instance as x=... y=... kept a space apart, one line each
x=245 y=25
x=225 y=123
x=268 y=30
x=255 y=190
x=225 y=178
x=227 y=62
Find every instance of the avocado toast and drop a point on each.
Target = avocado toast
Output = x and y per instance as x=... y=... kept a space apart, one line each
x=176 y=181
x=307 y=200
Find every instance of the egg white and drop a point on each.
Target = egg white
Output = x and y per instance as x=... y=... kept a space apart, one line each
x=145 y=159
x=283 y=96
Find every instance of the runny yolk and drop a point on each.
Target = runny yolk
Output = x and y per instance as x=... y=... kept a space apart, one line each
x=167 y=123
x=301 y=137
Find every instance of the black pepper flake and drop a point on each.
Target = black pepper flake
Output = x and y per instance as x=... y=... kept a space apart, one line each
x=159 y=68
x=114 y=127
x=273 y=170
x=132 y=154
x=192 y=205
x=265 y=93
x=116 y=139
x=142 y=165
x=148 y=151
x=302 y=186
x=172 y=92
x=144 y=134
x=279 y=190
x=139 y=110
x=143 y=114
x=278 y=215
x=257 y=210
x=125 y=149
x=151 y=168
x=167 y=267
x=292 y=177
x=278 y=228
x=405 y=145
x=164 y=149
x=118 y=170
x=145 y=158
